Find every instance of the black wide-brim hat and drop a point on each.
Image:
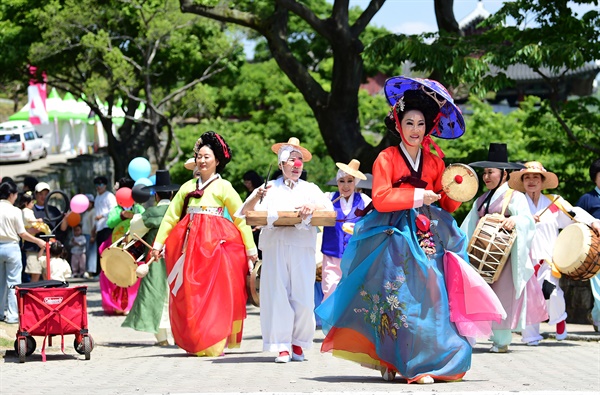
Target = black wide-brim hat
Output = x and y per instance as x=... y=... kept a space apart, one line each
x=497 y=158
x=163 y=183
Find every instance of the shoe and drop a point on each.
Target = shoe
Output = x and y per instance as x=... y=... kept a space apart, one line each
x=86 y=275
x=388 y=374
x=284 y=357
x=499 y=349
x=162 y=343
x=11 y=322
x=534 y=343
x=561 y=336
x=425 y=380
x=297 y=357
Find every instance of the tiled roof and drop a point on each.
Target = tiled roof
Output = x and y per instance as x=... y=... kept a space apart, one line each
x=476 y=16
x=524 y=73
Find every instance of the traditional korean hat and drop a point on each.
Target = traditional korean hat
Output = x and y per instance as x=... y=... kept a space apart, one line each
x=163 y=183
x=366 y=184
x=351 y=169
x=549 y=180
x=449 y=124
x=295 y=143
x=497 y=158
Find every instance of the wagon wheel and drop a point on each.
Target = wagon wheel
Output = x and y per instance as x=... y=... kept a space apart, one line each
x=87 y=347
x=84 y=347
x=21 y=348
x=31 y=345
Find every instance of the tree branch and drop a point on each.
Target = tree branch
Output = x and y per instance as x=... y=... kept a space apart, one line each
x=308 y=16
x=569 y=131
x=222 y=13
x=365 y=18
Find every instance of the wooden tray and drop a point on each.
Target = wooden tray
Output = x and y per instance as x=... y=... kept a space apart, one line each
x=289 y=218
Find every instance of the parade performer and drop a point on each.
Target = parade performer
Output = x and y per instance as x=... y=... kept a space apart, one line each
x=590 y=202
x=206 y=256
x=335 y=239
x=150 y=311
x=398 y=306
x=288 y=255
x=115 y=299
x=550 y=213
x=521 y=298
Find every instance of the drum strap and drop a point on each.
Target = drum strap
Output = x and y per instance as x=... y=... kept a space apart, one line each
x=562 y=208
x=506 y=200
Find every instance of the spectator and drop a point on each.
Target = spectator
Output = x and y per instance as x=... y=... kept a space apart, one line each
x=88 y=229
x=11 y=228
x=60 y=269
x=78 y=244
x=33 y=267
x=104 y=202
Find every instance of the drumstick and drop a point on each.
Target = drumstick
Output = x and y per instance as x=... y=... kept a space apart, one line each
x=266 y=181
x=547 y=207
x=142 y=241
x=142 y=270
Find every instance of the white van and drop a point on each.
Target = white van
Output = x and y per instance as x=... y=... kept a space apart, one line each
x=19 y=141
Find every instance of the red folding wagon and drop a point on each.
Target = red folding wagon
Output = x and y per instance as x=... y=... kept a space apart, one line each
x=49 y=308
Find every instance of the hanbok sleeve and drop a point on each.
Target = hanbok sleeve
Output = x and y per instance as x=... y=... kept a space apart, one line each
x=522 y=267
x=114 y=217
x=233 y=202
x=387 y=198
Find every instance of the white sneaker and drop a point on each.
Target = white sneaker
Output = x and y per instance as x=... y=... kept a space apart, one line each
x=283 y=359
x=425 y=380
x=534 y=343
x=561 y=336
x=297 y=357
x=499 y=349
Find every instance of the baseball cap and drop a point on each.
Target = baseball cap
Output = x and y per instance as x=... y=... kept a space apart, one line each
x=40 y=186
x=90 y=197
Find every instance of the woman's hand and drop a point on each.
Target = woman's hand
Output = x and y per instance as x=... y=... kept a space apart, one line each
x=156 y=254
x=253 y=258
x=430 y=197
x=509 y=223
x=536 y=218
x=306 y=210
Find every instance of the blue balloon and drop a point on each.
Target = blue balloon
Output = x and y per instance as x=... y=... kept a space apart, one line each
x=139 y=168
x=144 y=181
x=153 y=179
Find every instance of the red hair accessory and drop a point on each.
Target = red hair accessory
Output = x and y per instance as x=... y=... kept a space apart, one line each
x=223 y=145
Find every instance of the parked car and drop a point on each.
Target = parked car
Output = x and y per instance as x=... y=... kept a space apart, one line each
x=19 y=141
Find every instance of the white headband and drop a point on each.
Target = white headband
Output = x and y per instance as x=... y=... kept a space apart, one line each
x=341 y=173
x=285 y=151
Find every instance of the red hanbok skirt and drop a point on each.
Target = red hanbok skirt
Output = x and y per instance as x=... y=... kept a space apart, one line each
x=208 y=310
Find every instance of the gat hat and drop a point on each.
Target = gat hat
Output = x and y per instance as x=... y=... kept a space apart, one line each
x=295 y=143
x=366 y=184
x=549 y=180
x=351 y=169
x=163 y=183
x=190 y=164
x=40 y=186
x=90 y=197
x=451 y=124
x=497 y=158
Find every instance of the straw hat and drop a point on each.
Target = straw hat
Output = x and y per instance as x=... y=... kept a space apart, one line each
x=549 y=180
x=294 y=142
x=352 y=169
x=190 y=164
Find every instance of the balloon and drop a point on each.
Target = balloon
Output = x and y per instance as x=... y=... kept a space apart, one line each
x=73 y=219
x=79 y=203
x=152 y=178
x=139 y=168
x=144 y=181
x=138 y=195
x=124 y=198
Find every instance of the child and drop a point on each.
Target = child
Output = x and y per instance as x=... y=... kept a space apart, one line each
x=59 y=268
x=29 y=220
x=78 y=250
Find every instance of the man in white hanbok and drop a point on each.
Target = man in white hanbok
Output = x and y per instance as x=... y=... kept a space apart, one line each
x=288 y=255
x=550 y=213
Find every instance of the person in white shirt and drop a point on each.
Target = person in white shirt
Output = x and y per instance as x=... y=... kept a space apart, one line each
x=11 y=229
x=104 y=202
x=288 y=266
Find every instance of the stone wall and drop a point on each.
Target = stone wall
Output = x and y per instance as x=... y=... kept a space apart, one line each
x=76 y=175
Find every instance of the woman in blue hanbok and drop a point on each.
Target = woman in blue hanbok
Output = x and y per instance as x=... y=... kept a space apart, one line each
x=395 y=309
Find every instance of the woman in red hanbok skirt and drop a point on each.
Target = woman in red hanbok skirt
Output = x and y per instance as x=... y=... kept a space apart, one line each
x=206 y=256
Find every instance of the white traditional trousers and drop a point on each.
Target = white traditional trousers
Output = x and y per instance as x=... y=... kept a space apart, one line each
x=287 y=297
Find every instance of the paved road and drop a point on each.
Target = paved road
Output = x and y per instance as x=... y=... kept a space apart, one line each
x=15 y=169
x=126 y=362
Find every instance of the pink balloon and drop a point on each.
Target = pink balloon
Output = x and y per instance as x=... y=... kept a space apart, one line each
x=79 y=203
